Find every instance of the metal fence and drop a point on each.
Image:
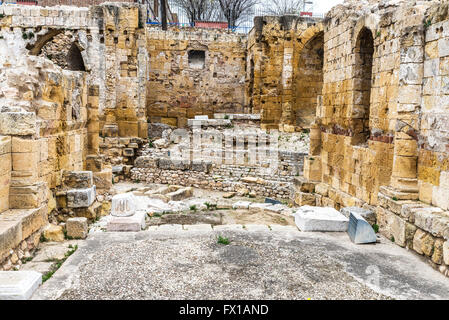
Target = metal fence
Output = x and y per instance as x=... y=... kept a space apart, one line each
x=244 y=24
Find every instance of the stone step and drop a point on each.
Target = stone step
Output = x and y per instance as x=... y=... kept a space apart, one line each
x=19 y=285
x=399 y=194
x=18 y=224
x=133 y=223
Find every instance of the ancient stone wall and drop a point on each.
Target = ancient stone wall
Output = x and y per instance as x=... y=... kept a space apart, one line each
x=67 y=76
x=380 y=135
x=194 y=72
x=284 y=70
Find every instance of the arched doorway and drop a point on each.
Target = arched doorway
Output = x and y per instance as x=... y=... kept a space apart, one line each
x=309 y=81
x=362 y=75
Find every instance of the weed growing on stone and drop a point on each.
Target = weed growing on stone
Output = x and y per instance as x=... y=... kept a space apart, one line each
x=193 y=207
x=376 y=228
x=392 y=239
x=395 y=198
x=58 y=264
x=210 y=206
x=223 y=240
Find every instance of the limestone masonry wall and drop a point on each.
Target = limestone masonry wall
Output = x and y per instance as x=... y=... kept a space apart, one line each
x=194 y=72
x=379 y=139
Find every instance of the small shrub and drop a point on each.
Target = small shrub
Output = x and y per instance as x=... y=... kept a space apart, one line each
x=24 y=36
x=392 y=239
x=395 y=198
x=226 y=116
x=193 y=207
x=223 y=240
x=376 y=228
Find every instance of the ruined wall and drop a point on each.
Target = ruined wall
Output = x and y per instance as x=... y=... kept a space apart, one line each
x=284 y=73
x=52 y=113
x=380 y=135
x=433 y=161
x=194 y=72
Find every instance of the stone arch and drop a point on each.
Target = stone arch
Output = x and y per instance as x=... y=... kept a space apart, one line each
x=362 y=79
x=63 y=47
x=308 y=78
x=36 y=48
x=74 y=58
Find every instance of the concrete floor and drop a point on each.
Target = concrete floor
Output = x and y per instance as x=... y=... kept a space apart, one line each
x=261 y=262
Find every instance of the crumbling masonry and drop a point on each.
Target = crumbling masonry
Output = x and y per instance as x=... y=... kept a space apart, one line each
x=80 y=86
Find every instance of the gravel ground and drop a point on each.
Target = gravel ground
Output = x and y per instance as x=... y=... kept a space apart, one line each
x=200 y=268
x=261 y=262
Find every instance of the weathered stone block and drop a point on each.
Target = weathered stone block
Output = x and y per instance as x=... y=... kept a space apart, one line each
x=302 y=199
x=437 y=256
x=78 y=198
x=18 y=123
x=446 y=252
x=201 y=166
x=54 y=233
x=77 y=228
x=180 y=194
x=77 y=179
x=103 y=179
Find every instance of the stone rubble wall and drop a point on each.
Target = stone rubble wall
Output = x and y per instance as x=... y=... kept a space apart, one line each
x=242 y=178
x=178 y=91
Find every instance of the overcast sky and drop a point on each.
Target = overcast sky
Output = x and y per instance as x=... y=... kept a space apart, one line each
x=323 y=6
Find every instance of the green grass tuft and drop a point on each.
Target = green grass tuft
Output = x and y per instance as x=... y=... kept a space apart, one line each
x=223 y=240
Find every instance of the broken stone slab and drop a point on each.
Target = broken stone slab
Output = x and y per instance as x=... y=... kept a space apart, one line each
x=81 y=198
x=123 y=205
x=366 y=214
x=180 y=194
x=19 y=285
x=359 y=230
x=308 y=218
x=229 y=195
x=259 y=206
x=133 y=223
x=77 y=228
x=241 y=205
